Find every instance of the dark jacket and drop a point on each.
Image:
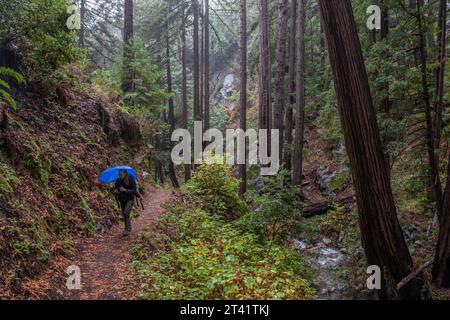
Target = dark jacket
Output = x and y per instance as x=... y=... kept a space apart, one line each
x=129 y=193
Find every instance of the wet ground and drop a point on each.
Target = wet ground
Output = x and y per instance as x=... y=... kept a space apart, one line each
x=326 y=262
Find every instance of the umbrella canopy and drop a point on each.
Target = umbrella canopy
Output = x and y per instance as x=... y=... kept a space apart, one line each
x=112 y=174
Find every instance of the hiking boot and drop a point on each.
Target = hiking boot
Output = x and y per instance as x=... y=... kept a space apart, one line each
x=126 y=233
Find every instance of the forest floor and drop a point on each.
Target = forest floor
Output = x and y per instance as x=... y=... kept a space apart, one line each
x=103 y=260
x=104 y=257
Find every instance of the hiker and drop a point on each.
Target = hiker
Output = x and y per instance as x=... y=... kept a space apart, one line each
x=125 y=190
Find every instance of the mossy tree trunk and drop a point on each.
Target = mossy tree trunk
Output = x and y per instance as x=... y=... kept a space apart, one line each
x=243 y=90
x=300 y=97
x=382 y=236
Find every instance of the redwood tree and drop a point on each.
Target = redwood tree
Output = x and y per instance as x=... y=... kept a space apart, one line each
x=280 y=90
x=206 y=89
x=287 y=157
x=441 y=267
x=243 y=91
x=440 y=69
x=184 y=100
x=196 y=70
x=264 y=67
x=81 y=34
x=300 y=97
x=172 y=174
x=382 y=236
x=128 y=30
x=433 y=161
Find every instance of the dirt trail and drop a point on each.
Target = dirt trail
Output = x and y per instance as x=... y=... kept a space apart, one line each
x=103 y=260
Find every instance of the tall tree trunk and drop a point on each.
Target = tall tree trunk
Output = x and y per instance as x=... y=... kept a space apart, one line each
x=440 y=69
x=441 y=267
x=430 y=137
x=264 y=64
x=202 y=58
x=81 y=34
x=300 y=97
x=184 y=99
x=172 y=173
x=311 y=42
x=382 y=236
x=206 y=93
x=416 y=50
x=289 y=112
x=280 y=91
x=430 y=31
x=243 y=92
x=440 y=19
x=128 y=30
x=197 y=110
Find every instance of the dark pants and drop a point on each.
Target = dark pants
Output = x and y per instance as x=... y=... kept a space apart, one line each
x=126 y=212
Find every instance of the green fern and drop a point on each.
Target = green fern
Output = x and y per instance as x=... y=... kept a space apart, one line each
x=4 y=86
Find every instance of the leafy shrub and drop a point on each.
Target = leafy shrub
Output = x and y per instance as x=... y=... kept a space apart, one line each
x=336 y=220
x=214 y=189
x=46 y=46
x=209 y=259
x=30 y=240
x=276 y=209
x=219 y=118
x=339 y=180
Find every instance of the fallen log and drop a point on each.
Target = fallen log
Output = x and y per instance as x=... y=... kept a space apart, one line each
x=323 y=207
x=414 y=274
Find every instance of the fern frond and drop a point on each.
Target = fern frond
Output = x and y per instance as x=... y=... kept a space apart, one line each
x=8 y=98
x=4 y=84
x=13 y=74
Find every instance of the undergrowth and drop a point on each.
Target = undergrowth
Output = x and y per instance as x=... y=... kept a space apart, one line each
x=197 y=254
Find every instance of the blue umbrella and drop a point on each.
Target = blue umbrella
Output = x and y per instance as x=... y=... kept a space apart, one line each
x=112 y=174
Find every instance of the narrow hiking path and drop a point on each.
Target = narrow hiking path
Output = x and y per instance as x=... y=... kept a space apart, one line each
x=103 y=260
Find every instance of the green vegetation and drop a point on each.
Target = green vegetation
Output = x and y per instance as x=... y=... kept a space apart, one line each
x=213 y=188
x=53 y=146
x=275 y=215
x=7 y=178
x=108 y=95
x=196 y=254
x=5 y=87
x=36 y=162
x=46 y=47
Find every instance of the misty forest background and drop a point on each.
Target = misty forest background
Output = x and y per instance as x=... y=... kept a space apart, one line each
x=363 y=118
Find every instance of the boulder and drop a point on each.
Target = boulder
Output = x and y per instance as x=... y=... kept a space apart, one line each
x=228 y=86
